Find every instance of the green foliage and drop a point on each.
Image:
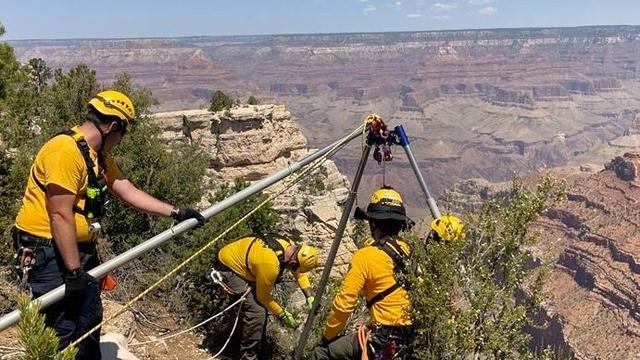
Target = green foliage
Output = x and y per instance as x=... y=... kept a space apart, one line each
x=39 y=342
x=10 y=70
x=468 y=301
x=40 y=73
x=360 y=232
x=252 y=100
x=174 y=175
x=220 y=101
x=70 y=93
x=141 y=97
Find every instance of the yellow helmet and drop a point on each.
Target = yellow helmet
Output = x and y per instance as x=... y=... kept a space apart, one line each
x=385 y=204
x=448 y=228
x=307 y=258
x=115 y=103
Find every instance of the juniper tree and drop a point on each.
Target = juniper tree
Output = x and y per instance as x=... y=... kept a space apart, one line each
x=475 y=297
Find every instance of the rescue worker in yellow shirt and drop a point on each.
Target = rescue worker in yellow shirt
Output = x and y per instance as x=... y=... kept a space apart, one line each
x=57 y=224
x=373 y=272
x=258 y=263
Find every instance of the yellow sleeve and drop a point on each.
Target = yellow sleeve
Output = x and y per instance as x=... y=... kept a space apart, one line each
x=347 y=298
x=63 y=165
x=302 y=279
x=113 y=171
x=266 y=274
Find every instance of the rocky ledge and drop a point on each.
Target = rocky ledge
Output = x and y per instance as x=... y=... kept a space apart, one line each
x=254 y=141
x=593 y=240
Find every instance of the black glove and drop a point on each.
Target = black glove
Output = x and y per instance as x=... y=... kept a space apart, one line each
x=181 y=215
x=76 y=282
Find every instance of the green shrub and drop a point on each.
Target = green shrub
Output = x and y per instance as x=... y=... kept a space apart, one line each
x=220 y=101
x=465 y=304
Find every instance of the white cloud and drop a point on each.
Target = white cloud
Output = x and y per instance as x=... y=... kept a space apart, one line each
x=440 y=7
x=480 y=2
x=364 y=0
x=442 y=17
x=398 y=3
x=488 y=11
x=370 y=8
x=414 y=15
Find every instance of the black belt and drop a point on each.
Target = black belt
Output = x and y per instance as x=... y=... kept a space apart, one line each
x=401 y=331
x=24 y=238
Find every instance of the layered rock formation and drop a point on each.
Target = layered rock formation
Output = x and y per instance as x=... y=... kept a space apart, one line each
x=255 y=141
x=593 y=240
x=481 y=103
x=595 y=284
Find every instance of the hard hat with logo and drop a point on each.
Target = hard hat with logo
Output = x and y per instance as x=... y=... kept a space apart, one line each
x=117 y=104
x=385 y=204
x=448 y=228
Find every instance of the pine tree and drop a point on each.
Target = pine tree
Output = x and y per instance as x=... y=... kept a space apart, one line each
x=252 y=100
x=220 y=101
x=39 y=342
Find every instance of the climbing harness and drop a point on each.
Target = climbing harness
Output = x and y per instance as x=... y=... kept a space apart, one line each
x=24 y=261
x=379 y=342
x=96 y=193
x=401 y=268
x=220 y=280
x=24 y=257
x=387 y=342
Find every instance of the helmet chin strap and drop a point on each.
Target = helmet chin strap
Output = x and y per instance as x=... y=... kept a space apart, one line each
x=103 y=135
x=294 y=254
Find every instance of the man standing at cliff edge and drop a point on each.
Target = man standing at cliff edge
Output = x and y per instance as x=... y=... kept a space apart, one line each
x=56 y=228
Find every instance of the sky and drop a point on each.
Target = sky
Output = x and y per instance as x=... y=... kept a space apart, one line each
x=72 y=19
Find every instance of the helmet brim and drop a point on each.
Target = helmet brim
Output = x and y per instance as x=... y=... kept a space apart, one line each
x=362 y=214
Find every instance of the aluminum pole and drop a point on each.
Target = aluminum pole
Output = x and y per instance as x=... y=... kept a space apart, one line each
x=58 y=293
x=346 y=213
x=404 y=142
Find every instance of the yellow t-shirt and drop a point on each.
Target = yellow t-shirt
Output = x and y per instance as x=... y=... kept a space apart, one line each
x=371 y=273
x=263 y=270
x=59 y=162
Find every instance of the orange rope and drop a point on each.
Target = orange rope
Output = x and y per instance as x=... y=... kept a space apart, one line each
x=363 y=338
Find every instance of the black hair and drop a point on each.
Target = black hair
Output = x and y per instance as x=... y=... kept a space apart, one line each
x=390 y=227
x=97 y=117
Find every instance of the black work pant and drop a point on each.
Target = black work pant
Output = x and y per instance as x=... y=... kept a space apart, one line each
x=70 y=317
x=343 y=348
x=382 y=339
x=253 y=318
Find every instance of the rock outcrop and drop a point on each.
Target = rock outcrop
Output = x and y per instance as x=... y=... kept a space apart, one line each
x=625 y=167
x=592 y=239
x=254 y=141
x=595 y=284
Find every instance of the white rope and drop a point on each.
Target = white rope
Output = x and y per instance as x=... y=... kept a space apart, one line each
x=233 y=330
x=166 y=337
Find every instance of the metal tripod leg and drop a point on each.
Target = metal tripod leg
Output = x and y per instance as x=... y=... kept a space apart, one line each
x=404 y=142
x=346 y=213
